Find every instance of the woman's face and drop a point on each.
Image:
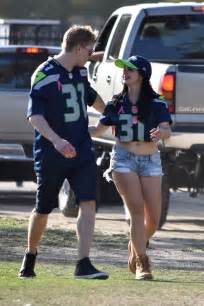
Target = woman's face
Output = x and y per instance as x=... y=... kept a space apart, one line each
x=131 y=77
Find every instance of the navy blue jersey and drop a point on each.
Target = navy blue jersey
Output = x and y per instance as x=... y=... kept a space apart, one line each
x=124 y=116
x=61 y=97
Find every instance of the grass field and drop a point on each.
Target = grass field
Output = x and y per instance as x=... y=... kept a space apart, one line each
x=55 y=284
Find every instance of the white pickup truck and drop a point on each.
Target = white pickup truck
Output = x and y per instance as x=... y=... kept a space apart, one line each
x=171 y=36
x=17 y=63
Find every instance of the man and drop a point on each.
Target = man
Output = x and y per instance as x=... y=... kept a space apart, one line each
x=57 y=110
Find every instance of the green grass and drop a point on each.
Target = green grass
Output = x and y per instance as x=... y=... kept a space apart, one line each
x=55 y=286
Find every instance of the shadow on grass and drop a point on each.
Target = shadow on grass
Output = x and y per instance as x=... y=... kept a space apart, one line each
x=183 y=244
x=199 y=222
x=13 y=233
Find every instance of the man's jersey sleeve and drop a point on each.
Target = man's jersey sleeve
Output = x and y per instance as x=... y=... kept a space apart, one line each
x=109 y=116
x=92 y=94
x=161 y=112
x=40 y=82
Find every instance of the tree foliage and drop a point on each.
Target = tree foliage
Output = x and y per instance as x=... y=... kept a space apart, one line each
x=61 y=9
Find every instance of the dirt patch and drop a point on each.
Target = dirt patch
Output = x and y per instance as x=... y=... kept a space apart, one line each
x=179 y=245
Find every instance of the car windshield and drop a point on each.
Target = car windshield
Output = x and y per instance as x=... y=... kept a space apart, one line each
x=173 y=38
x=16 y=69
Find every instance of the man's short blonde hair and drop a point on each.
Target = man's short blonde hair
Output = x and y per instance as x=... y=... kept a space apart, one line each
x=78 y=36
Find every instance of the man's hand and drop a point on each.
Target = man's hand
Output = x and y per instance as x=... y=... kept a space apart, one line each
x=65 y=148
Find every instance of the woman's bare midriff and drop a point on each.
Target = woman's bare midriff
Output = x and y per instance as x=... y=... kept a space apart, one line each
x=139 y=147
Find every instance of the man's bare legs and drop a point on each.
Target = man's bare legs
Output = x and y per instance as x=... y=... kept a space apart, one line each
x=85 y=230
x=85 y=227
x=36 y=227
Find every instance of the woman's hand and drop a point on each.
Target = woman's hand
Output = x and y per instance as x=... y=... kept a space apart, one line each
x=162 y=132
x=155 y=134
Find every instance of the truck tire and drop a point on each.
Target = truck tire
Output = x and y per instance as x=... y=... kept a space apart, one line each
x=165 y=201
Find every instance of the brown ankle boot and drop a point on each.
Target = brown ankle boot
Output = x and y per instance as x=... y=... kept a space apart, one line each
x=143 y=270
x=131 y=258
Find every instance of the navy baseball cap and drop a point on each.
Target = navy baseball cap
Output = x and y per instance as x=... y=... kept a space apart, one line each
x=136 y=62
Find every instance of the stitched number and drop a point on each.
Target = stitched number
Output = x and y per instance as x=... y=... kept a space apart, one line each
x=80 y=88
x=140 y=131
x=72 y=102
x=126 y=127
x=127 y=131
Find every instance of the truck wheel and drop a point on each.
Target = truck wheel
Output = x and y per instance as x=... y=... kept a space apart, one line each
x=67 y=201
x=165 y=201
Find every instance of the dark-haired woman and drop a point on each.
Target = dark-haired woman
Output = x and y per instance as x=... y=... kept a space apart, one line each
x=140 y=119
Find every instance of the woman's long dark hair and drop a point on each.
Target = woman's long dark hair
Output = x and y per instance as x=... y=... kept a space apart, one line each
x=147 y=94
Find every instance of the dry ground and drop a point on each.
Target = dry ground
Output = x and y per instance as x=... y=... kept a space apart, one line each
x=179 y=245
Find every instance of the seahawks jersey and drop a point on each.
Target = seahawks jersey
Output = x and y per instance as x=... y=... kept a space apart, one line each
x=61 y=97
x=124 y=116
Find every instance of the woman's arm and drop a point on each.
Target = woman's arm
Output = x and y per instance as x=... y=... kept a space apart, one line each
x=97 y=130
x=99 y=104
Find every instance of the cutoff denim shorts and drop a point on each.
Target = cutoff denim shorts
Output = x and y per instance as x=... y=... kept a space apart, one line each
x=143 y=165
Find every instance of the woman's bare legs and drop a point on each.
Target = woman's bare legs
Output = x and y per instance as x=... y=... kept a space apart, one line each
x=129 y=188
x=151 y=189
x=142 y=196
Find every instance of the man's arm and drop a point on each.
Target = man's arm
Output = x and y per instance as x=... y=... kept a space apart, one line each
x=61 y=145
x=96 y=56
x=99 y=104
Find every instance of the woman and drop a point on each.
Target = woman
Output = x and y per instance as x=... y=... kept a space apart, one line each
x=140 y=119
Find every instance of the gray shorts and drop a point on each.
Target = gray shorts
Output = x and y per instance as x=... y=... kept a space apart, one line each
x=143 y=165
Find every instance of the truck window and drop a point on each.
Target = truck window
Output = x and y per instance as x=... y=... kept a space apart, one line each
x=171 y=38
x=48 y=35
x=16 y=69
x=105 y=33
x=118 y=36
x=31 y=31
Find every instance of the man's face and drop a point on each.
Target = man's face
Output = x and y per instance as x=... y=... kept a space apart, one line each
x=83 y=54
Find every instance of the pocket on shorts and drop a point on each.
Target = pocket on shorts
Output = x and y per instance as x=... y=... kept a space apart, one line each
x=119 y=154
x=156 y=159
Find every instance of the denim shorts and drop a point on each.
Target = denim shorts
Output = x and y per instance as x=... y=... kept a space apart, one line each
x=143 y=165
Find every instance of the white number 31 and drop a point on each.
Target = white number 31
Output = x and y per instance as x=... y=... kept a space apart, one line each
x=72 y=102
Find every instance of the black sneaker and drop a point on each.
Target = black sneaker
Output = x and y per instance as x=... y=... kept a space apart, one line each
x=85 y=269
x=27 y=267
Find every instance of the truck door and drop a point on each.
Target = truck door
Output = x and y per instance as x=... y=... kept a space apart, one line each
x=104 y=73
